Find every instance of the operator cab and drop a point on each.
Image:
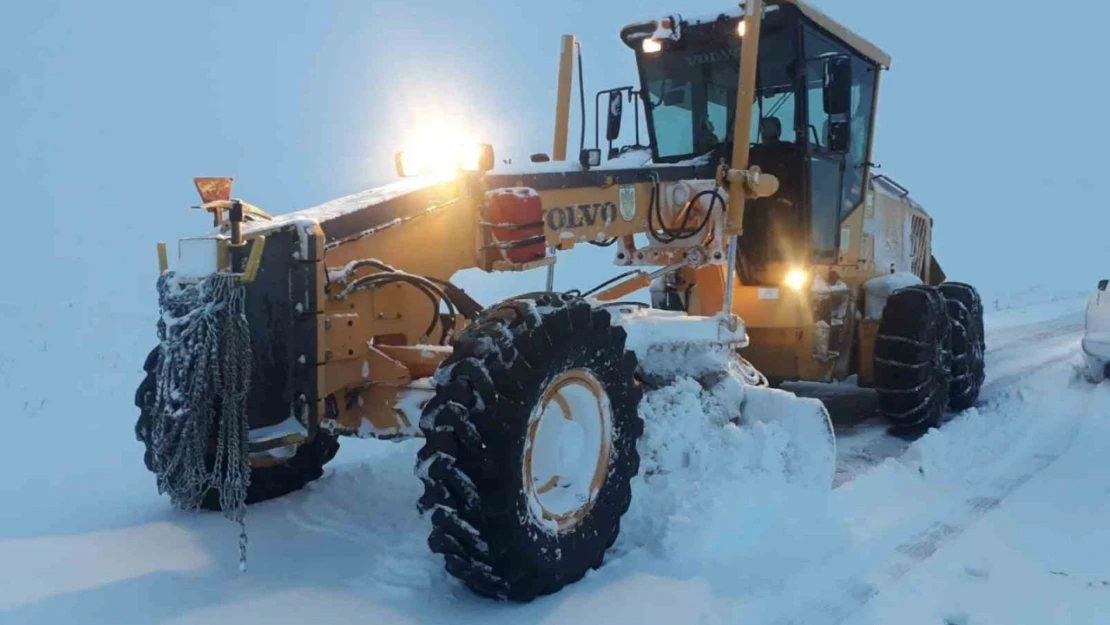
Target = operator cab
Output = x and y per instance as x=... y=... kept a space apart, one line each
x=811 y=120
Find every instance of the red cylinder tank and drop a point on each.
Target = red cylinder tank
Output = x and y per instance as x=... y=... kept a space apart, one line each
x=515 y=220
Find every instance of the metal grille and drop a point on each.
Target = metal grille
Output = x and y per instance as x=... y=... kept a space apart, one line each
x=919 y=238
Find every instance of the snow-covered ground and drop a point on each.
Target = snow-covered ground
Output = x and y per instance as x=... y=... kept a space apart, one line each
x=1001 y=516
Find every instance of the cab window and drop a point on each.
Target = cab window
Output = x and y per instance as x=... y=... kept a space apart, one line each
x=864 y=77
x=837 y=146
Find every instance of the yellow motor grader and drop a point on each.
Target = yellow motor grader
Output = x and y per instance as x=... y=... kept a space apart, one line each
x=752 y=218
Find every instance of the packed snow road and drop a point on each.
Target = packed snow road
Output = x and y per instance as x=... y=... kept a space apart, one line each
x=999 y=516
x=1014 y=354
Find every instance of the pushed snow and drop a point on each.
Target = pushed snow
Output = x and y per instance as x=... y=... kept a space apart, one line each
x=725 y=469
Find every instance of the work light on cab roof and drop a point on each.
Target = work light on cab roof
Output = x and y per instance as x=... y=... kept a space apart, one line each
x=669 y=28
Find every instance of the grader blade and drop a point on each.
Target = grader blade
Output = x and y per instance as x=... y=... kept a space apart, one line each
x=670 y=346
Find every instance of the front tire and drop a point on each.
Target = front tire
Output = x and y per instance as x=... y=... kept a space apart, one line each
x=269 y=482
x=913 y=359
x=530 y=446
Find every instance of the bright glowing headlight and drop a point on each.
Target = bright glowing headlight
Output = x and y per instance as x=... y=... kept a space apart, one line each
x=651 y=46
x=742 y=28
x=443 y=158
x=796 y=279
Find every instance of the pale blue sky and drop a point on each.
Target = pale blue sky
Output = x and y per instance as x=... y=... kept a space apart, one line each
x=990 y=116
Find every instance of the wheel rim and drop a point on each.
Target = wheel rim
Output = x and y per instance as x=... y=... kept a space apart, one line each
x=566 y=457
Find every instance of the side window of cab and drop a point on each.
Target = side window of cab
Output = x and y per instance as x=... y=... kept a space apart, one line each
x=864 y=79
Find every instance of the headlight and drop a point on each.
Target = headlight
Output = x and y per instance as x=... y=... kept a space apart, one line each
x=651 y=46
x=680 y=194
x=796 y=279
x=434 y=158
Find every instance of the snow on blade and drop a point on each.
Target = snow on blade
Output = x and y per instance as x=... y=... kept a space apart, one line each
x=669 y=344
x=725 y=469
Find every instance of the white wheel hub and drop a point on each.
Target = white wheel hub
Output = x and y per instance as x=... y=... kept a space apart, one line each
x=566 y=456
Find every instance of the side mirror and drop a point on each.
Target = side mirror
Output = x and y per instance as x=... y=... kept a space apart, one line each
x=1102 y=284
x=838 y=86
x=616 y=112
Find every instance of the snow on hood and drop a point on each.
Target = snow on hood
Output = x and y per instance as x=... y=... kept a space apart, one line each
x=633 y=159
x=349 y=203
x=888 y=187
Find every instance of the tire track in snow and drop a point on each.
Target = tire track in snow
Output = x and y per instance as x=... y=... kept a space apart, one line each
x=939 y=533
x=855 y=592
x=1053 y=346
x=1024 y=340
x=836 y=598
x=995 y=386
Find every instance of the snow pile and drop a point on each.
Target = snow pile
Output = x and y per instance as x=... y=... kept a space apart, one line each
x=723 y=478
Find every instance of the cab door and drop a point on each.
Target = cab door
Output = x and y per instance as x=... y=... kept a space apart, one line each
x=828 y=104
x=826 y=149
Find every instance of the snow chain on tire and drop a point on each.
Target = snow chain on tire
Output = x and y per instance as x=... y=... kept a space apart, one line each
x=265 y=482
x=913 y=358
x=477 y=432
x=965 y=313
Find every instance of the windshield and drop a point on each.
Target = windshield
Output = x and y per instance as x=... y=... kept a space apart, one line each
x=690 y=88
x=691 y=94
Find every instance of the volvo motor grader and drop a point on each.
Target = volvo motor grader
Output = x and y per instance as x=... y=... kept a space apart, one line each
x=752 y=222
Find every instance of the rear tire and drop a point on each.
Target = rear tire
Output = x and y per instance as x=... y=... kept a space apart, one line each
x=913 y=359
x=965 y=315
x=507 y=525
x=306 y=465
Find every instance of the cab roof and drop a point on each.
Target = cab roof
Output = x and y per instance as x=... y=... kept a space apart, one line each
x=640 y=30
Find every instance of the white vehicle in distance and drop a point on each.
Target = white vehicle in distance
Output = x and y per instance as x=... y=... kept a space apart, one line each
x=1096 y=334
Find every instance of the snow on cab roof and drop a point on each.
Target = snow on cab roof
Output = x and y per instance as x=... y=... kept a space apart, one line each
x=639 y=30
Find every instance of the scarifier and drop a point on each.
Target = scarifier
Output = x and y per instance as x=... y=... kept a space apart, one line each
x=751 y=217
